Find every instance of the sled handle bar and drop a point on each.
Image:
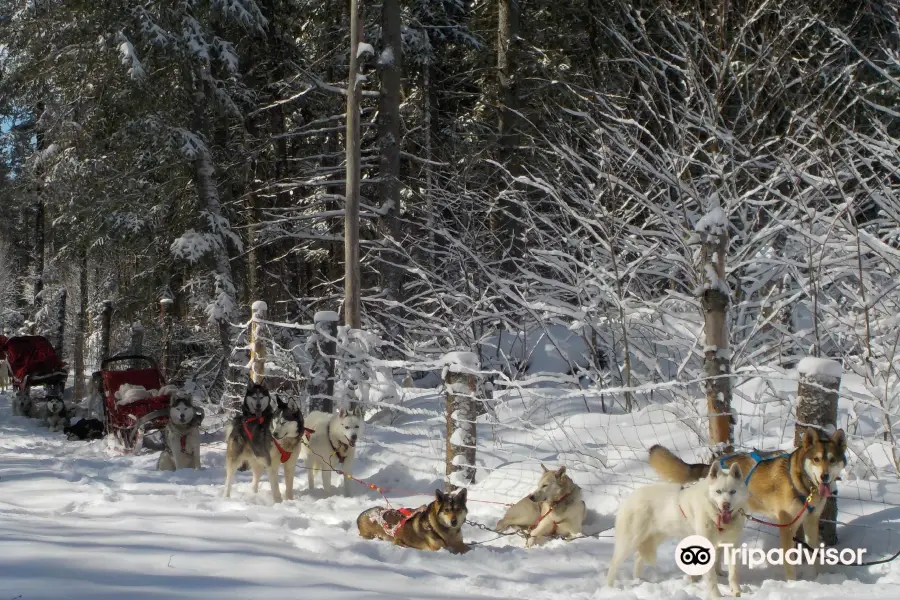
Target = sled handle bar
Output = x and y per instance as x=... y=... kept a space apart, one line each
x=124 y=357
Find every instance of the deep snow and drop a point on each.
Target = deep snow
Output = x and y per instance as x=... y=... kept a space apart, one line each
x=77 y=523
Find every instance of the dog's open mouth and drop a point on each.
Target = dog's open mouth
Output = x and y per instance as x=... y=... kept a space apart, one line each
x=351 y=443
x=725 y=516
x=824 y=490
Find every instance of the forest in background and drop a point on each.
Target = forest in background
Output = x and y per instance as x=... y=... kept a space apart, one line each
x=526 y=166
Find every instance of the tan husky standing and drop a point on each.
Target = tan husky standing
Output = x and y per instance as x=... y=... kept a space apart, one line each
x=555 y=507
x=790 y=489
x=433 y=527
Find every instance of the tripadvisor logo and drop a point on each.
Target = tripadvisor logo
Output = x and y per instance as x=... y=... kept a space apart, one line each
x=695 y=555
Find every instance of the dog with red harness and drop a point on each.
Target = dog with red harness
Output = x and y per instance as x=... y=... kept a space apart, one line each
x=250 y=440
x=434 y=526
x=181 y=435
x=288 y=435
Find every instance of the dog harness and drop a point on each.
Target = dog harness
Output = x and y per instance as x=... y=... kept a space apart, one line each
x=247 y=429
x=407 y=515
x=308 y=432
x=340 y=458
x=718 y=518
x=542 y=517
x=285 y=455
x=758 y=459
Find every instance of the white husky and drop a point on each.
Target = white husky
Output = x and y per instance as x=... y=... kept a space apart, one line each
x=712 y=507
x=331 y=445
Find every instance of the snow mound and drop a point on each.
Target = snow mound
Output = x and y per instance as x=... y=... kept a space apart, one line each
x=820 y=368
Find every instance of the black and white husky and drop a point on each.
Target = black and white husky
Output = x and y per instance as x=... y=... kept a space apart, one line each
x=181 y=435
x=287 y=431
x=55 y=415
x=250 y=441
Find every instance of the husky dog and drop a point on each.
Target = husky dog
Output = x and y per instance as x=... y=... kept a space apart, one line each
x=433 y=527
x=331 y=446
x=85 y=429
x=287 y=434
x=181 y=435
x=55 y=415
x=713 y=508
x=249 y=440
x=4 y=375
x=554 y=507
x=23 y=405
x=789 y=488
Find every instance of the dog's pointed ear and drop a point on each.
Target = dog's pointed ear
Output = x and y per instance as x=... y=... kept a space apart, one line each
x=543 y=468
x=560 y=472
x=439 y=495
x=342 y=413
x=714 y=470
x=839 y=438
x=736 y=472
x=809 y=437
x=460 y=495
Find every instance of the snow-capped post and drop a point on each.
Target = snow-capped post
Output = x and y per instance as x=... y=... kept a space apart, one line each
x=321 y=346
x=257 y=341
x=460 y=377
x=61 y=323
x=136 y=343
x=817 y=403
x=105 y=327
x=712 y=234
x=166 y=304
x=351 y=205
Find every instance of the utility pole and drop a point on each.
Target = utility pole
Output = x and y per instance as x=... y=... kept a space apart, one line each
x=351 y=206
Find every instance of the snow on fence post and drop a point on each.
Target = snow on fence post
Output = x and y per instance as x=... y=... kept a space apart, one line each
x=136 y=343
x=61 y=323
x=166 y=304
x=321 y=346
x=817 y=403
x=105 y=326
x=714 y=295
x=460 y=377
x=257 y=341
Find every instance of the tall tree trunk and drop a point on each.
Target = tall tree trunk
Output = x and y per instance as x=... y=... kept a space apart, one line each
x=351 y=204
x=508 y=43
x=80 y=322
x=59 y=346
x=39 y=255
x=390 y=62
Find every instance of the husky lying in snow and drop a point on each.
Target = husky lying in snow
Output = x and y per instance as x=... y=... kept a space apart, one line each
x=249 y=440
x=555 y=507
x=331 y=446
x=181 y=435
x=713 y=508
x=55 y=415
x=433 y=527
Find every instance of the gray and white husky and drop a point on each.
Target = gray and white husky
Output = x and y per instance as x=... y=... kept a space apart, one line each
x=55 y=415
x=331 y=446
x=23 y=405
x=712 y=507
x=181 y=435
x=249 y=440
x=287 y=433
x=554 y=508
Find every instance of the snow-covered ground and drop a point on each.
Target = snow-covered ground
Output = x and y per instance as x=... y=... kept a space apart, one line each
x=77 y=523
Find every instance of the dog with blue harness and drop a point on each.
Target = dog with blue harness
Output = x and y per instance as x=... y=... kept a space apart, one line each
x=790 y=488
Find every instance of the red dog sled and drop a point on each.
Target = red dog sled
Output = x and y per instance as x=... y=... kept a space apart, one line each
x=129 y=421
x=34 y=363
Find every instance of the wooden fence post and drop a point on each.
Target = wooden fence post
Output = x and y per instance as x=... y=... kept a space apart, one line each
x=460 y=377
x=714 y=298
x=257 y=341
x=105 y=327
x=817 y=403
x=166 y=306
x=322 y=347
x=136 y=344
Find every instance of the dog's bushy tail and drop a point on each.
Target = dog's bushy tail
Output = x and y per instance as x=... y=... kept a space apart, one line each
x=672 y=468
